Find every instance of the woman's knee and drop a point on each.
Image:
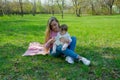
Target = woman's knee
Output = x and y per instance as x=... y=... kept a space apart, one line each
x=73 y=43
x=73 y=38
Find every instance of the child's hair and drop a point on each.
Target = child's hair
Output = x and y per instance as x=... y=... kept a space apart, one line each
x=64 y=27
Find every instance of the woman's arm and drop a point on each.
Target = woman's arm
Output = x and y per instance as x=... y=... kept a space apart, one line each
x=49 y=42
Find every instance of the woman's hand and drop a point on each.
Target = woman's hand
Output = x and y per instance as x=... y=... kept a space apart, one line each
x=51 y=41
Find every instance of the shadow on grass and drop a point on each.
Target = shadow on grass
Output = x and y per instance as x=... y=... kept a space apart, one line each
x=9 y=51
x=105 y=64
x=14 y=66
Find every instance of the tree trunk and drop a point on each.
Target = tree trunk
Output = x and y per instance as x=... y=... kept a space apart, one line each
x=62 y=8
x=119 y=9
x=1 y=13
x=62 y=14
x=79 y=11
x=34 y=8
x=76 y=12
x=52 y=8
x=5 y=8
x=110 y=10
x=93 y=9
x=53 y=12
x=21 y=7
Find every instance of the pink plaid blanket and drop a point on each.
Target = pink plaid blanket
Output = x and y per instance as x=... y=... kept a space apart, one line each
x=35 y=48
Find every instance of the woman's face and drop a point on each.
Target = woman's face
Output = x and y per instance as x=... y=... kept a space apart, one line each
x=54 y=26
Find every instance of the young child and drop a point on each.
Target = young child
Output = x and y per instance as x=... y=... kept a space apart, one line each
x=63 y=34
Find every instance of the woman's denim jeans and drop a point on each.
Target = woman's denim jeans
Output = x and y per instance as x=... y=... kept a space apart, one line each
x=68 y=52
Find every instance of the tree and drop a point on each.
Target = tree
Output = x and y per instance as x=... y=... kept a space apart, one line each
x=38 y=6
x=1 y=8
x=92 y=3
x=61 y=6
x=52 y=7
x=49 y=6
x=21 y=7
x=46 y=7
x=109 y=3
x=77 y=7
x=34 y=7
x=117 y=3
x=6 y=8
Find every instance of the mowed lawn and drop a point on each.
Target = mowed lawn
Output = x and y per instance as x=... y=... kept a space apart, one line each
x=98 y=39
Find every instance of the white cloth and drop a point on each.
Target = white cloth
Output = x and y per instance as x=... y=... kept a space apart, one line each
x=58 y=42
x=66 y=36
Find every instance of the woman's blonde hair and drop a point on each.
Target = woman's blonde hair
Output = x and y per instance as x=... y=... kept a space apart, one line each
x=49 y=28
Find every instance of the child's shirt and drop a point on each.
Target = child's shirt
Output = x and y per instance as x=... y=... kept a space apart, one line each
x=66 y=36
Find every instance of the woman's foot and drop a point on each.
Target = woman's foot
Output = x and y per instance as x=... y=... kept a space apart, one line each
x=69 y=60
x=85 y=61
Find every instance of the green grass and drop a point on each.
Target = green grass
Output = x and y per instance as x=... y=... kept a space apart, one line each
x=98 y=39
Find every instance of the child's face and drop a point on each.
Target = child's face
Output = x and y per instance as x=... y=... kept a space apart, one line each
x=62 y=32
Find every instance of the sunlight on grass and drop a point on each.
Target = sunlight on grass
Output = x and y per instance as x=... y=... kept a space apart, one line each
x=98 y=39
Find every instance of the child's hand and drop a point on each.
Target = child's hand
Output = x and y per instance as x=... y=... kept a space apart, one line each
x=63 y=48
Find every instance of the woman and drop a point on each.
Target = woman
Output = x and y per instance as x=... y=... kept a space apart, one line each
x=51 y=32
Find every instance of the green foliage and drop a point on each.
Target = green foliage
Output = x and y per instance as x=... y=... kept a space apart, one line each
x=98 y=39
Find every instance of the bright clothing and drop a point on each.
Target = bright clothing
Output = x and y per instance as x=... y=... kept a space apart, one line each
x=66 y=36
x=68 y=52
